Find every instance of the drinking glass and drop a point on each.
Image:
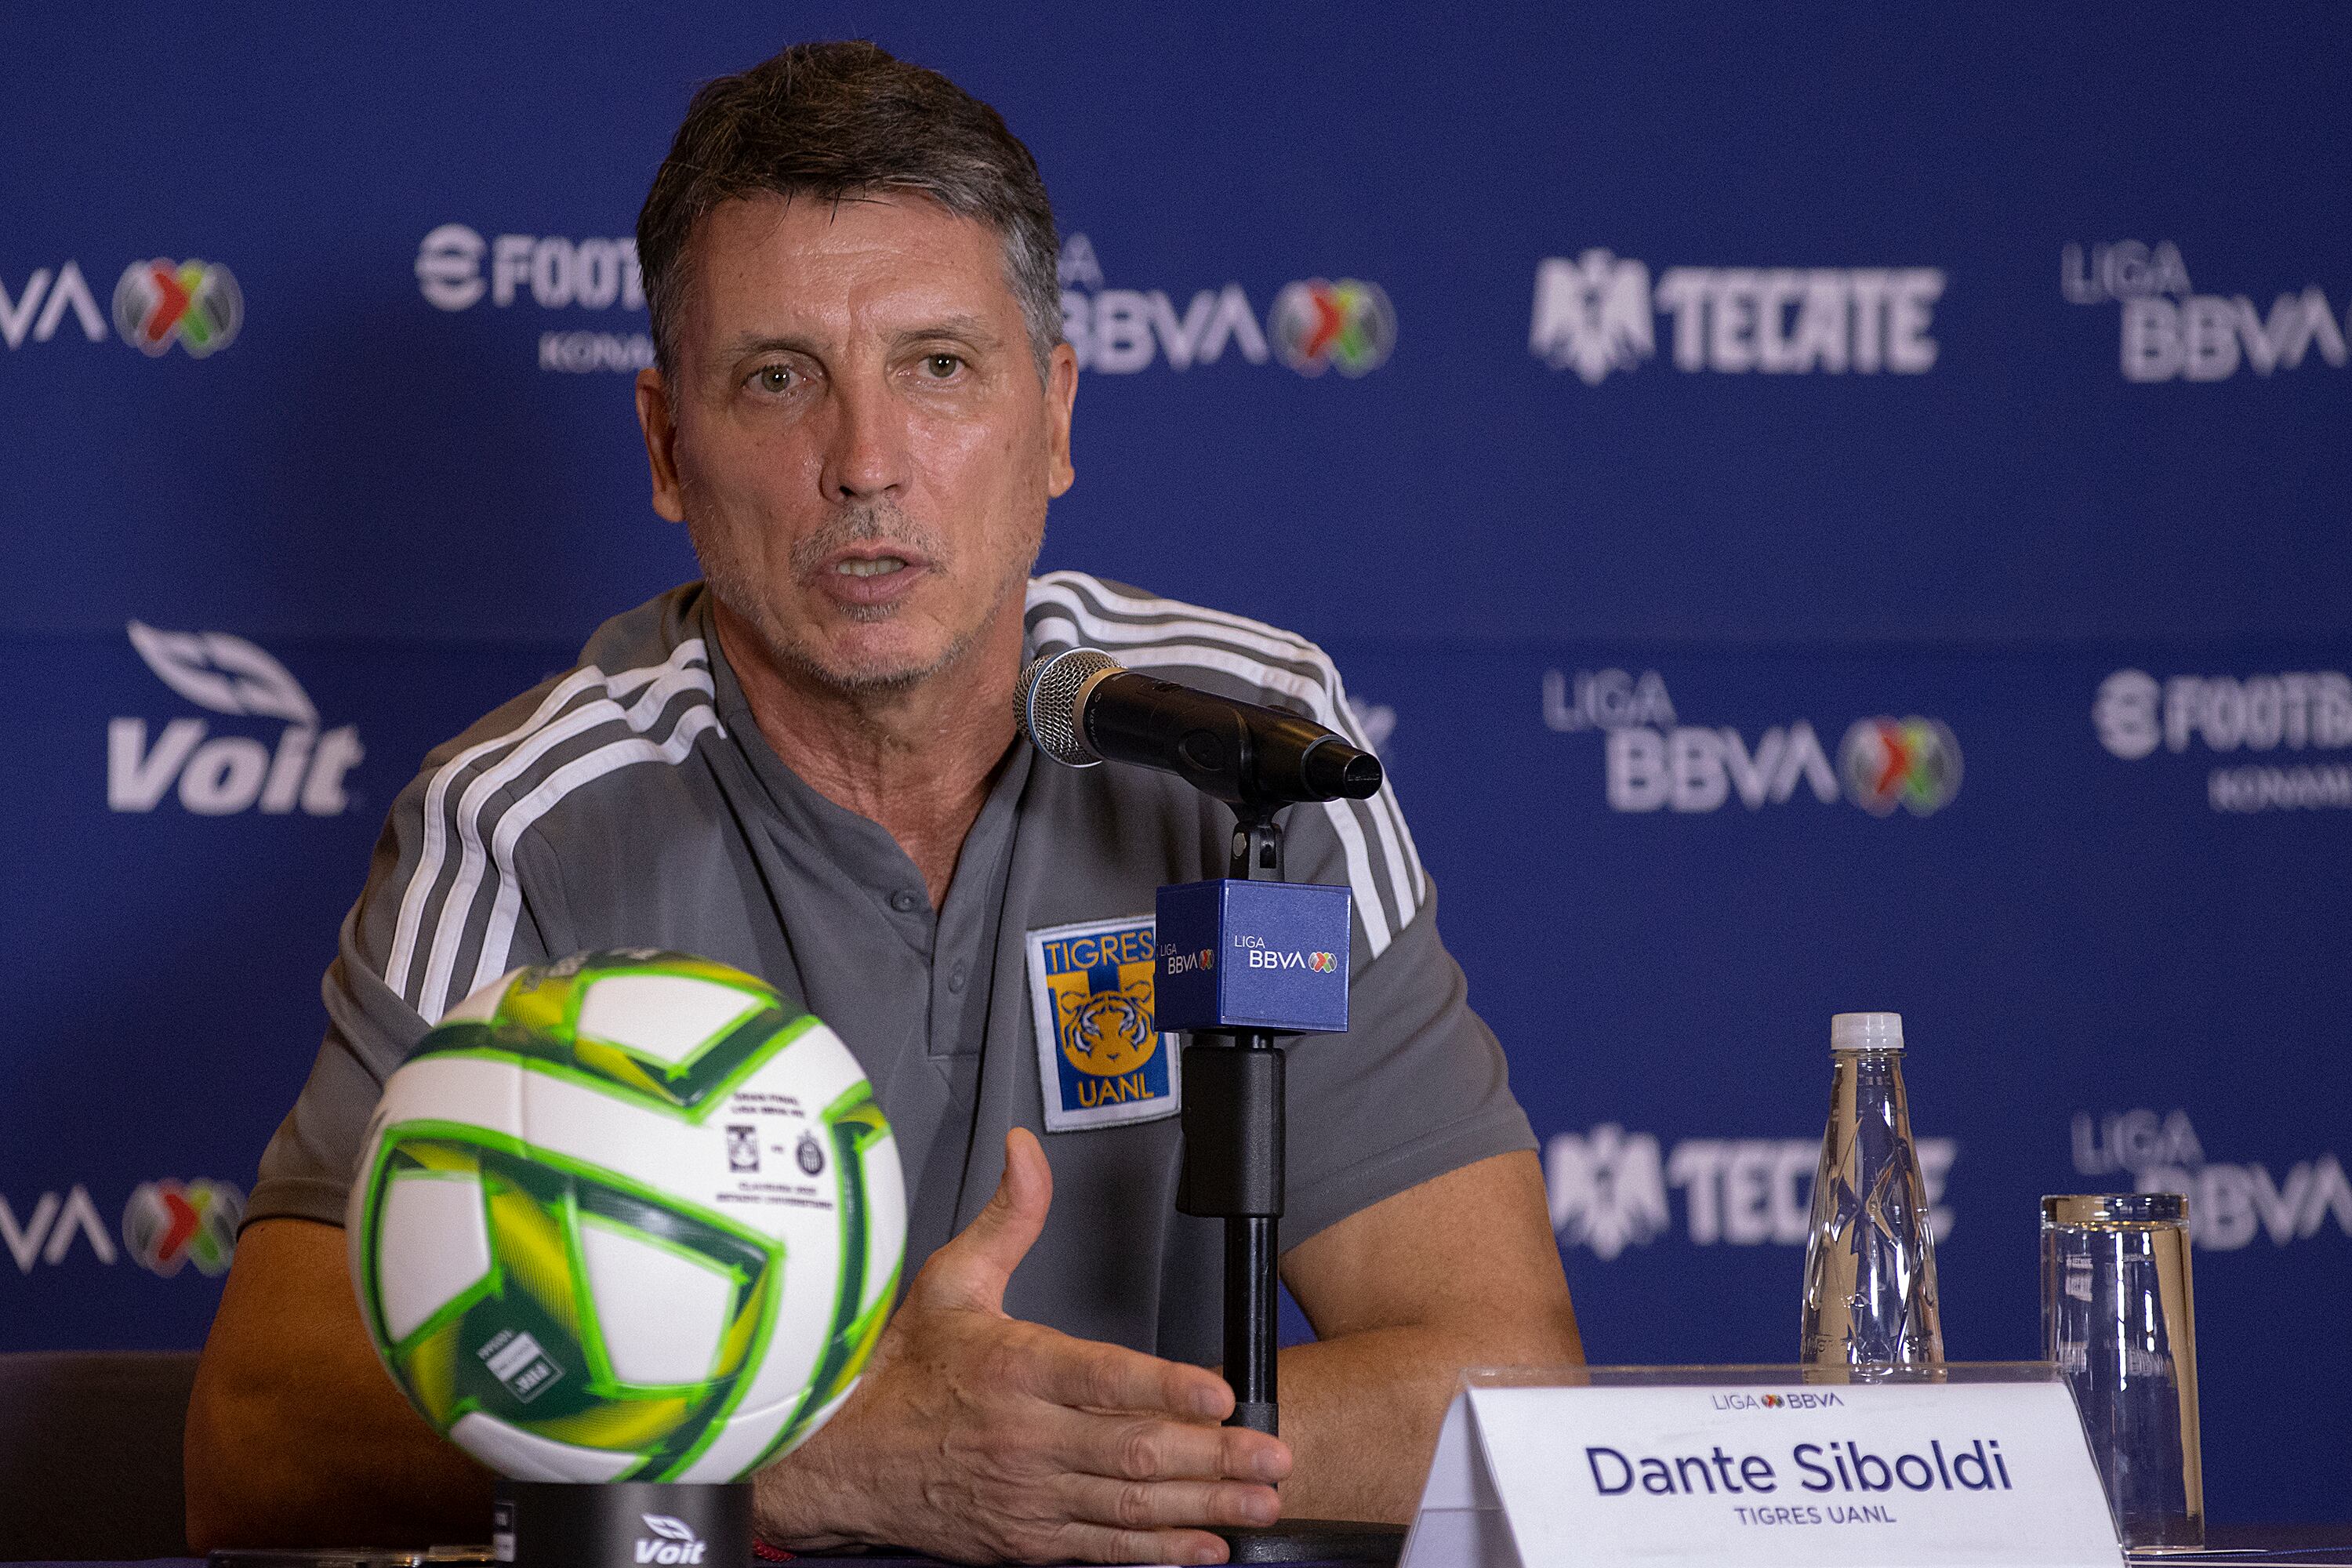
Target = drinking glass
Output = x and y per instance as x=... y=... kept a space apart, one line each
x=2117 y=1318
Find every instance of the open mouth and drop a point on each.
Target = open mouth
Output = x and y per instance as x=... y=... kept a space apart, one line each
x=879 y=567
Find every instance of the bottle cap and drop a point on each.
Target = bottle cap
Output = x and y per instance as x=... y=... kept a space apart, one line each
x=1866 y=1032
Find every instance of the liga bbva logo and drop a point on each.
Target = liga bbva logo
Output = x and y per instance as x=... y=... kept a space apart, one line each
x=2231 y=1203
x=1315 y=325
x=220 y=775
x=2171 y=332
x=1597 y=313
x=157 y=302
x=1653 y=761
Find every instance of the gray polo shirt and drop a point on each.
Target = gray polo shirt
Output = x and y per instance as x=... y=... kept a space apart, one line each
x=632 y=801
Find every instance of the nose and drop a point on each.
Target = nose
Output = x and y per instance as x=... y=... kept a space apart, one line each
x=867 y=456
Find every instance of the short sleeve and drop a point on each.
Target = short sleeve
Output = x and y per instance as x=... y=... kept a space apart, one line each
x=1418 y=1085
x=444 y=898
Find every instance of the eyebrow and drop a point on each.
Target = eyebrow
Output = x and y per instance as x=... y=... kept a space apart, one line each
x=966 y=329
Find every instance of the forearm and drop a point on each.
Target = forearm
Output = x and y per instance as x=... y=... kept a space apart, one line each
x=304 y=1466
x=294 y=1435
x=1361 y=1412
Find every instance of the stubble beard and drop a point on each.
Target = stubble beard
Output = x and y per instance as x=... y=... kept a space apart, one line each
x=736 y=578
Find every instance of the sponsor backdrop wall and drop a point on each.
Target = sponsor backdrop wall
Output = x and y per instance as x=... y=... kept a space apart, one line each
x=1824 y=509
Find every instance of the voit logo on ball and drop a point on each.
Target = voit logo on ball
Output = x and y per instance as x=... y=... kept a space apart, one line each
x=1315 y=324
x=221 y=776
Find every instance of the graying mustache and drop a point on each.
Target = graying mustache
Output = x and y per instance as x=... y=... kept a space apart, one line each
x=861 y=524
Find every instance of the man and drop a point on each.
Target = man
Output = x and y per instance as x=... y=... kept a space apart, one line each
x=809 y=768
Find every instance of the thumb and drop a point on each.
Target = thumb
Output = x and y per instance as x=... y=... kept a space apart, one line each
x=973 y=1269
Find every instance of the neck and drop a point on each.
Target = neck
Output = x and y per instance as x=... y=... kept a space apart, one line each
x=919 y=761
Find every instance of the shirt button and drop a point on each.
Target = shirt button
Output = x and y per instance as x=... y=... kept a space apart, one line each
x=955 y=976
x=905 y=902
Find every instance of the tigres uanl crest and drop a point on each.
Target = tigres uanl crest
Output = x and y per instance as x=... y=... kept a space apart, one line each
x=1099 y=1057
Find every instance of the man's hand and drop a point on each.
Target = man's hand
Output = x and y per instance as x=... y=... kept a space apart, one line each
x=977 y=1437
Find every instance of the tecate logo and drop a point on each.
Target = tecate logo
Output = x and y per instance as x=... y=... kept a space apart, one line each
x=1596 y=314
x=220 y=775
x=673 y=1540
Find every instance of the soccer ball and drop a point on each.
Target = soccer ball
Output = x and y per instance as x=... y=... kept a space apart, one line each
x=630 y=1217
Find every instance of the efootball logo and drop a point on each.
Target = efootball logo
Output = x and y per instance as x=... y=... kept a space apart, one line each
x=168 y=1225
x=1348 y=326
x=195 y=304
x=1911 y=762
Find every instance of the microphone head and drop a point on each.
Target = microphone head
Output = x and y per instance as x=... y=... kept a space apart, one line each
x=1048 y=701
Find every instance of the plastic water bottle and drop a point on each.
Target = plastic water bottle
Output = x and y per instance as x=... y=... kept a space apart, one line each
x=1870 y=1261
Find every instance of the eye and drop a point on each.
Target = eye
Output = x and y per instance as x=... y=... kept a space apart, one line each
x=941 y=366
x=773 y=378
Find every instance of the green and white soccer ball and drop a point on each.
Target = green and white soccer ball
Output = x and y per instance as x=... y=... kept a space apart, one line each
x=630 y=1217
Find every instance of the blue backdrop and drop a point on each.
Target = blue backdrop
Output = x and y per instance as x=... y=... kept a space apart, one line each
x=1828 y=508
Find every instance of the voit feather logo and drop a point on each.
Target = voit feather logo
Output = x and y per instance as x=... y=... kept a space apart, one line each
x=300 y=768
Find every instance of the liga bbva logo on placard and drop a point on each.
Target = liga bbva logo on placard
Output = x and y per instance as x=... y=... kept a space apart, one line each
x=300 y=768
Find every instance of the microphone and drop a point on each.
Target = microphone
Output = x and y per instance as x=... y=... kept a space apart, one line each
x=1081 y=706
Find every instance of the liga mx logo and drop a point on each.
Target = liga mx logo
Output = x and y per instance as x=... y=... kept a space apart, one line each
x=1348 y=325
x=195 y=304
x=1912 y=763
x=1100 y=1059
x=168 y=1225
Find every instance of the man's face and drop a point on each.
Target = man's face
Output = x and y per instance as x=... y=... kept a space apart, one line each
x=855 y=435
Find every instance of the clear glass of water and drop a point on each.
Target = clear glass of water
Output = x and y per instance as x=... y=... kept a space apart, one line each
x=2117 y=1318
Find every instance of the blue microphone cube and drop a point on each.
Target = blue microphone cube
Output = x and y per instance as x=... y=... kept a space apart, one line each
x=1252 y=956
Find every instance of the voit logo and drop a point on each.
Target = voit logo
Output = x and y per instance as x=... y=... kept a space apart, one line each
x=457 y=269
x=1652 y=760
x=2171 y=332
x=669 y=1541
x=2230 y=1203
x=220 y=775
x=1608 y=1189
x=158 y=302
x=1315 y=324
x=2135 y=714
x=1597 y=312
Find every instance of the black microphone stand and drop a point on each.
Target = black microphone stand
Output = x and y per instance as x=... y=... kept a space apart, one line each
x=1234 y=1140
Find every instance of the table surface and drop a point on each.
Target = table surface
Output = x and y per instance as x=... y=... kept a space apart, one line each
x=2281 y=1546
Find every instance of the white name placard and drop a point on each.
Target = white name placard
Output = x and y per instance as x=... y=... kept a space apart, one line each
x=1890 y=1475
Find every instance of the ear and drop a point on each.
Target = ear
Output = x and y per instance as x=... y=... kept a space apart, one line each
x=661 y=443
x=1061 y=396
